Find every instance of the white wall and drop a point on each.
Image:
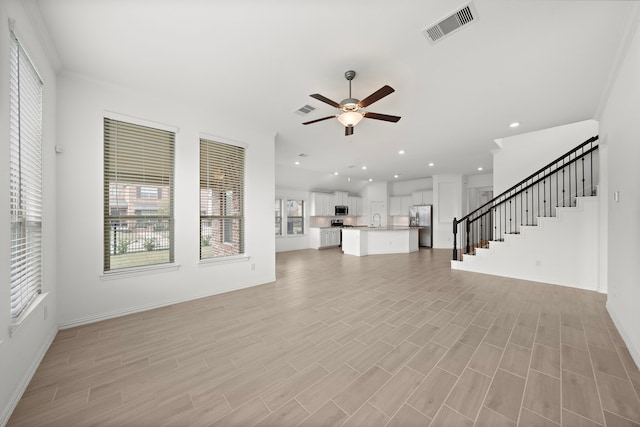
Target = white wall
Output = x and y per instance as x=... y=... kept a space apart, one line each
x=556 y=251
x=448 y=191
x=522 y=155
x=405 y=188
x=21 y=353
x=84 y=295
x=620 y=131
x=294 y=243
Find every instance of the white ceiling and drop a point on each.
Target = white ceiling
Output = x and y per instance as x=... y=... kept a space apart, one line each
x=541 y=63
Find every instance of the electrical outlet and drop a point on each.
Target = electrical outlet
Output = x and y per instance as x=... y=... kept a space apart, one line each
x=538 y=263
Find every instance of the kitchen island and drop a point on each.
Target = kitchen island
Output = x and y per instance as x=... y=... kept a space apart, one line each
x=362 y=241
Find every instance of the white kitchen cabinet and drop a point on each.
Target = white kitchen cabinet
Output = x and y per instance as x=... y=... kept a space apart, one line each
x=324 y=237
x=340 y=198
x=423 y=197
x=322 y=204
x=399 y=205
x=355 y=205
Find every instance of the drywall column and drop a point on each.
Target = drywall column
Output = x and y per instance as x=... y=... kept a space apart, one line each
x=447 y=204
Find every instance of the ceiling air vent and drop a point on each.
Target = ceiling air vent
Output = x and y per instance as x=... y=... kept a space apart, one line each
x=306 y=109
x=451 y=23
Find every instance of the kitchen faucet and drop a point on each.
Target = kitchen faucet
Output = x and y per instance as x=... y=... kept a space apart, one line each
x=375 y=219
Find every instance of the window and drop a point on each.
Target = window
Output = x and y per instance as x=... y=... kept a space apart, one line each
x=278 y=211
x=148 y=193
x=221 y=199
x=25 y=166
x=138 y=195
x=295 y=217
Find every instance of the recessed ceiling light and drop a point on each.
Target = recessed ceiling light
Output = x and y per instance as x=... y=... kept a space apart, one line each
x=335 y=173
x=514 y=125
x=396 y=175
x=364 y=168
x=370 y=179
x=480 y=168
x=349 y=179
x=401 y=152
x=431 y=164
x=297 y=163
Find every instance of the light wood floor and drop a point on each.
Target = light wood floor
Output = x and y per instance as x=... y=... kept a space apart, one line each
x=397 y=340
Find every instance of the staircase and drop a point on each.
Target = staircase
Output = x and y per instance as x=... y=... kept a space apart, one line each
x=545 y=228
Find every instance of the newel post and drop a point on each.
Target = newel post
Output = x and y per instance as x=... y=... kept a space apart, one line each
x=455 y=232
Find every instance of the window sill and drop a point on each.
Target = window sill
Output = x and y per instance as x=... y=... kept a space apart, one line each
x=138 y=271
x=223 y=260
x=17 y=324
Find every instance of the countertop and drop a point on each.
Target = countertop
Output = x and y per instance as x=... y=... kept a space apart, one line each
x=387 y=228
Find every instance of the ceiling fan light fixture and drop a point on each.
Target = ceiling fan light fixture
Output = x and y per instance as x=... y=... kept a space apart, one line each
x=350 y=118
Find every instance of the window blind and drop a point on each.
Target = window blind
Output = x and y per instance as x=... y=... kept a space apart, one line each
x=138 y=195
x=25 y=141
x=221 y=199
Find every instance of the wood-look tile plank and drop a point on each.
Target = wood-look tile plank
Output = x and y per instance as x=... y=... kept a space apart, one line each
x=516 y=359
x=505 y=394
x=365 y=386
x=321 y=392
x=290 y=414
x=368 y=357
x=366 y=416
x=572 y=419
x=605 y=360
x=448 y=417
x=490 y=418
x=576 y=360
x=468 y=393
x=614 y=420
x=432 y=392
x=328 y=415
x=580 y=395
x=618 y=396
x=396 y=391
x=397 y=357
x=531 y=419
x=456 y=359
x=546 y=359
x=497 y=336
x=542 y=395
x=427 y=358
x=290 y=387
x=486 y=359
x=407 y=417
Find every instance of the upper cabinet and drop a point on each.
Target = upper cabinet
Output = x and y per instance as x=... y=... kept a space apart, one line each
x=355 y=205
x=423 y=197
x=399 y=205
x=322 y=204
x=341 y=198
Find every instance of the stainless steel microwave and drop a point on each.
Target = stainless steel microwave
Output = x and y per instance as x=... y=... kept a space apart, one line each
x=342 y=210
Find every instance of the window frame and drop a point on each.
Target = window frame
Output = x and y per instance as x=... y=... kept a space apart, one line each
x=162 y=221
x=25 y=182
x=279 y=218
x=300 y=217
x=227 y=199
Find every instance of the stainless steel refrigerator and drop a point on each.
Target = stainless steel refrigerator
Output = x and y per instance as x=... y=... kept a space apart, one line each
x=422 y=216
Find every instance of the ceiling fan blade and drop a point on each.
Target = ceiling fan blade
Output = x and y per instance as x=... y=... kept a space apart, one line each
x=319 y=120
x=375 y=96
x=325 y=100
x=385 y=117
x=348 y=130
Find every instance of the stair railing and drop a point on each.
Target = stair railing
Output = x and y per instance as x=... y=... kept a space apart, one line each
x=557 y=184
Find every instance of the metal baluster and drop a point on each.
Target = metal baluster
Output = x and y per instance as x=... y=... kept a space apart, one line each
x=591 y=156
x=468 y=232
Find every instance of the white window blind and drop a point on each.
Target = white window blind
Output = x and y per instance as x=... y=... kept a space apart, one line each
x=221 y=199
x=25 y=141
x=138 y=195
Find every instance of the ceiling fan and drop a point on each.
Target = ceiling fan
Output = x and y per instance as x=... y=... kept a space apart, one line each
x=351 y=109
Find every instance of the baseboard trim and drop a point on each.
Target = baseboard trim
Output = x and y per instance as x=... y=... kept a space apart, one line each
x=4 y=418
x=635 y=353
x=138 y=309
